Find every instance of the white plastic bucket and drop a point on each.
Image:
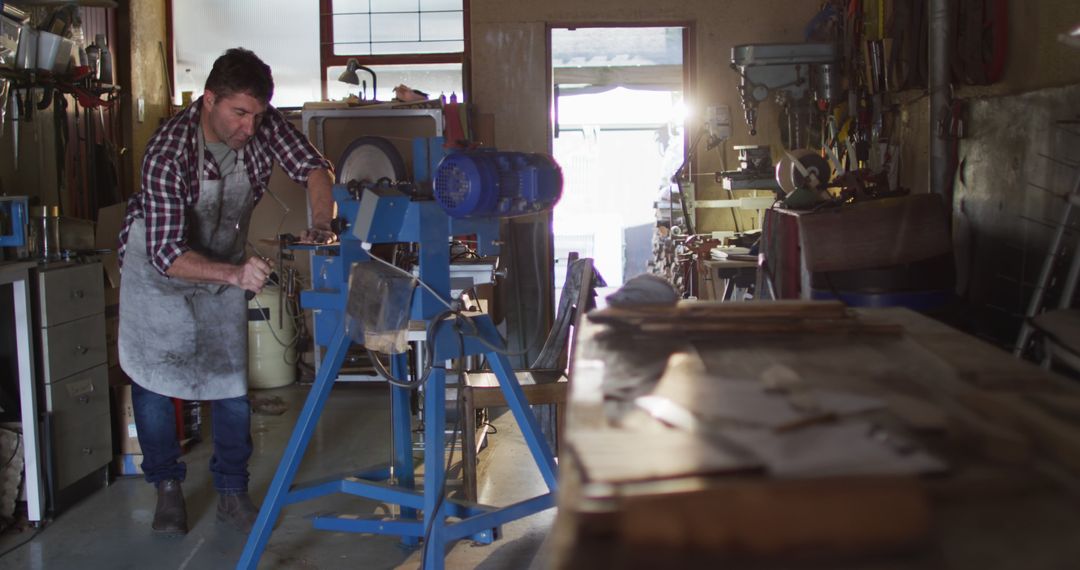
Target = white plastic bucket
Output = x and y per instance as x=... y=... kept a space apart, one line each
x=26 y=57
x=271 y=364
x=49 y=45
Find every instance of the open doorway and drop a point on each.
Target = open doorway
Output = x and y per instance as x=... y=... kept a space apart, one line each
x=618 y=136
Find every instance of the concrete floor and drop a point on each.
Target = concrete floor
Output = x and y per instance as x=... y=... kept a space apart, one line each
x=111 y=528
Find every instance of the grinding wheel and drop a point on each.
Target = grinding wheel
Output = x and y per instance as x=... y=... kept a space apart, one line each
x=370 y=159
x=790 y=178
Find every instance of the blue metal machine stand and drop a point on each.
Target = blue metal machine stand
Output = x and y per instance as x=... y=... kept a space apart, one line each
x=389 y=217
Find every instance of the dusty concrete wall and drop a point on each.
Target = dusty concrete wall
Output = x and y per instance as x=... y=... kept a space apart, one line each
x=1009 y=185
x=147 y=20
x=1035 y=60
x=1005 y=204
x=1008 y=200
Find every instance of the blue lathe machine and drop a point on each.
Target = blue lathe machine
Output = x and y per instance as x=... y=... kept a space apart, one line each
x=461 y=193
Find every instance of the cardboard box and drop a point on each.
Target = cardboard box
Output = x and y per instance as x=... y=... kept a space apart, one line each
x=127 y=439
x=110 y=220
x=112 y=332
x=128 y=464
x=112 y=300
x=117 y=377
x=112 y=324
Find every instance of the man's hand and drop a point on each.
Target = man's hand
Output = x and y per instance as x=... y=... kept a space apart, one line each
x=251 y=276
x=319 y=184
x=318 y=235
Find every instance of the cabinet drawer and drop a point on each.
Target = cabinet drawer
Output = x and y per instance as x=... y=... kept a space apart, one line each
x=73 y=347
x=78 y=398
x=71 y=293
x=81 y=449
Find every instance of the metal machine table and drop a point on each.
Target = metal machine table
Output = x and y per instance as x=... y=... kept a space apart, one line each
x=18 y=274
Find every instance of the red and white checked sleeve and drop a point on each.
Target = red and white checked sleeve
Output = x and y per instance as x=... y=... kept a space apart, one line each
x=292 y=150
x=164 y=202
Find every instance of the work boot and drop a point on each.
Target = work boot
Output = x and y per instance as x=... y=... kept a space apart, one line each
x=170 y=516
x=237 y=510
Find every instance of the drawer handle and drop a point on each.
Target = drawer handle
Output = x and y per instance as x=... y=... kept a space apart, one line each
x=81 y=349
x=88 y=451
x=84 y=399
x=78 y=294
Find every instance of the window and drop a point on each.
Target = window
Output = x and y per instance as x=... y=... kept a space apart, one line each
x=420 y=43
x=391 y=27
x=432 y=78
x=307 y=43
x=282 y=32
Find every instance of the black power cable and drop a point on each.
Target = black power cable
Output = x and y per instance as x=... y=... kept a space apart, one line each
x=21 y=544
x=432 y=330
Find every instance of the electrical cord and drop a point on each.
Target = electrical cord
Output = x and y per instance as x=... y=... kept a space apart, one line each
x=433 y=292
x=459 y=320
x=23 y=543
x=18 y=445
x=40 y=529
x=296 y=334
x=432 y=329
x=459 y=317
x=430 y=517
x=438 y=320
x=429 y=355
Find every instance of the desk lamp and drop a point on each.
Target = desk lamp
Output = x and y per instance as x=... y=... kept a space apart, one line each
x=349 y=76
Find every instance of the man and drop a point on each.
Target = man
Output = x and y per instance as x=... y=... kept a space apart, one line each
x=183 y=316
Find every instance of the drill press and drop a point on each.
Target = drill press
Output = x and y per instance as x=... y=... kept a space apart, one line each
x=790 y=72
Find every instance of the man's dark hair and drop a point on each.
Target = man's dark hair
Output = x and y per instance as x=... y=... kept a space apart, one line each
x=241 y=71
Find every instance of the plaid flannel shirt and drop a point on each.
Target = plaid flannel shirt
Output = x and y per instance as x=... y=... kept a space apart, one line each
x=170 y=181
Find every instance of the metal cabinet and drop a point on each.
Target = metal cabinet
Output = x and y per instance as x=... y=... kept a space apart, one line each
x=73 y=371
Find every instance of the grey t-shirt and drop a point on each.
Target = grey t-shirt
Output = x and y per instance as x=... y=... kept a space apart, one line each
x=224 y=156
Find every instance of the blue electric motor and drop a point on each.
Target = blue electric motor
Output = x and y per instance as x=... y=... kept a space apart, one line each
x=490 y=183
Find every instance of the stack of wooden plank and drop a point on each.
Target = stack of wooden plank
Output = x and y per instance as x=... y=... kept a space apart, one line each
x=638 y=491
x=774 y=318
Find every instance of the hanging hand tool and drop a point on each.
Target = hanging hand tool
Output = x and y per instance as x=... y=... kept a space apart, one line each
x=16 y=103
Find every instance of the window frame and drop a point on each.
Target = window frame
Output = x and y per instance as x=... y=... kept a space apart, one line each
x=328 y=59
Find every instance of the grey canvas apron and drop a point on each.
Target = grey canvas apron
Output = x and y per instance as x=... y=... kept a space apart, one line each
x=183 y=339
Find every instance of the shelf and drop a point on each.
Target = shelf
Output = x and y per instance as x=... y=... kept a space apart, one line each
x=66 y=83
x=755 y=203
x=738 y=180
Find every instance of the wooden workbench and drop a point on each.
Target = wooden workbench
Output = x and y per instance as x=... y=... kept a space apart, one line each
x=717 y=274
x=870 y=234
x=638 y=493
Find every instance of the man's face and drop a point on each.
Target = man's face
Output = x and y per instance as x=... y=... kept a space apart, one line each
x=232 y=119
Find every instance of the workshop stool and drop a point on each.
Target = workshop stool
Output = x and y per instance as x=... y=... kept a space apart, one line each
x=481 y=390
x=544 y=382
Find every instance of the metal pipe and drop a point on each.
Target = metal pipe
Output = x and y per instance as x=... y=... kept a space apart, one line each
x=939 y=101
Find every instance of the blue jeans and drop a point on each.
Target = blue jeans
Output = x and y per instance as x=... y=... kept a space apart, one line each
x=155 y=422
